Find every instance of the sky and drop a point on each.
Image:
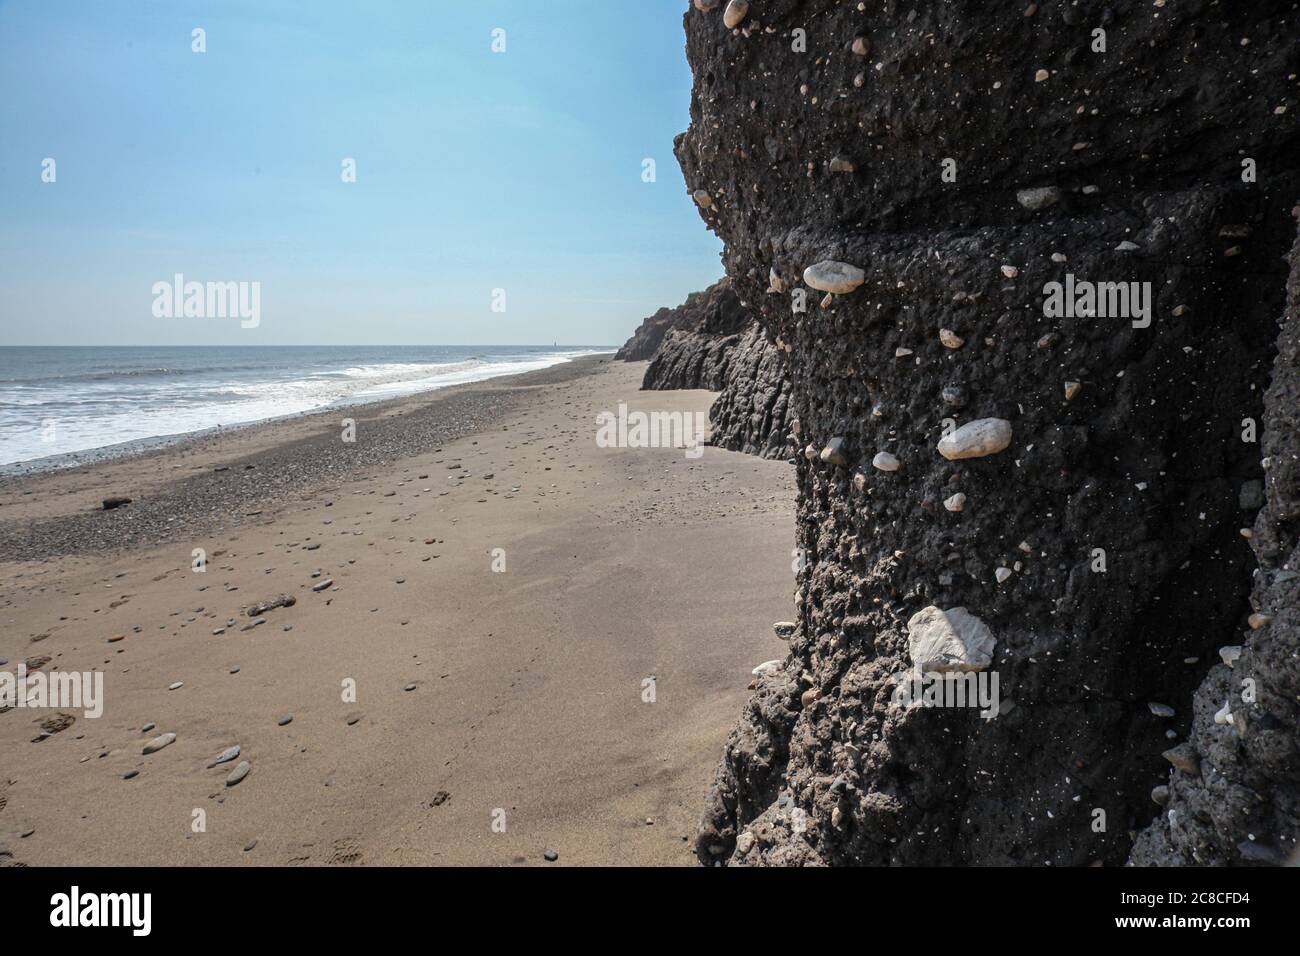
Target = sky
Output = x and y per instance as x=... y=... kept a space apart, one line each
x=476 y=170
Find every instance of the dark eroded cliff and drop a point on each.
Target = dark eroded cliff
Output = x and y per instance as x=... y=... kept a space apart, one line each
x=896 y=185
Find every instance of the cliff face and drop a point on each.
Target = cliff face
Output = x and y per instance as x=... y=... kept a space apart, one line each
x=944 y=162
x=713 y=342
x=650 y=334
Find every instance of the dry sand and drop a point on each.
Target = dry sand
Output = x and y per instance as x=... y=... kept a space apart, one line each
x=527 y=685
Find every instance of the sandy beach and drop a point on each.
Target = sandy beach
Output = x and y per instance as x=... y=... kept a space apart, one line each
x=497 y=714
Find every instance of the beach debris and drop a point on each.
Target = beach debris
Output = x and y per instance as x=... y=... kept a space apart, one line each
x=116 y=501
x=177 y=685
x=831 y=276
x=239 y=773
x=283 y=600
x=736 y=11
x=977 y=439
x=833 y=453
x=951 y=640
x=884 y=461
x=230 y=753
x=130 y=774
x=158 y=743
x=148 y=727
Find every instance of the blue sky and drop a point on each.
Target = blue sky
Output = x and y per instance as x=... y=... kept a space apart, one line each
x=476 y=170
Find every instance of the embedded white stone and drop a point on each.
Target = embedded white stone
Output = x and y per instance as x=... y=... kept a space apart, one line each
x=831 y=276
x=884 y=461
x=951 y=640
x=977 y=439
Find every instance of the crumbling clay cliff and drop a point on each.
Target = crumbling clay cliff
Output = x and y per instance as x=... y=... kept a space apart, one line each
x=1026 y=264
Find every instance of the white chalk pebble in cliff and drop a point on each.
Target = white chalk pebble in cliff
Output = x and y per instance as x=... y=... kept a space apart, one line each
x=702 y=199
x=765 y=668
x=956 y=503
x=841 y=164
x=736 y=11
x=1230 y=654
x=1002 y=574
x=884 y=461
x=839 y=278
x=951 y=640
x=810 y=452
x=977 y=439
x=774 y=282
x=861 y=46
x=951 y=339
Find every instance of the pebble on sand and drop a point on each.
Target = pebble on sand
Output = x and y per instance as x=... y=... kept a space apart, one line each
x=158 y=743
x=239 y=773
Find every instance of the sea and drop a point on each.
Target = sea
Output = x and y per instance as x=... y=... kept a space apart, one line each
x=63 y=405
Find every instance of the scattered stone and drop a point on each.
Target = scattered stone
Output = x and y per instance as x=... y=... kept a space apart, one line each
x=158 y=743
x=951 y=640
x=239 y=773
x=830 y=276
x=130 y=774
x=285 y=720
x=283 y=600
x=702 y=199
x=148 y=727
x=861 y=46
x=784 y=629
x=230 y=753
x=1160 y=710
x=840 y=164
x=321 y=586
x=951 y=339
x=956 y=503
x=767 y=667
x=1230 y=654
x=1072 y=390
x=884 y=461
x=1002 y=575
x=977 y=439
x=116 y=637
x=1160 y=795
x=115 y=502
x=1258 y=620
